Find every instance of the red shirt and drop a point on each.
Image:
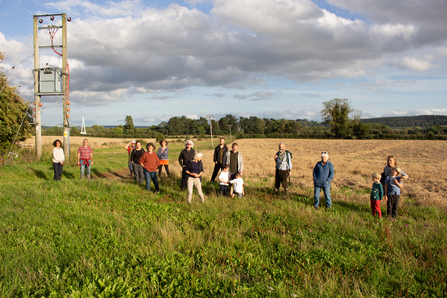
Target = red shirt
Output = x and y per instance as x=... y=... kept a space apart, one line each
x=150 y=161
x=85 y=152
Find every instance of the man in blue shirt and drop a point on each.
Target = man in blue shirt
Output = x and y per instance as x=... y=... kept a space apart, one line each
x=323 y=174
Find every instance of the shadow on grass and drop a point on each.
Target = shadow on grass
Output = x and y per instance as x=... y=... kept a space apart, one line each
x=39 y=173
x=68 y=175
x=356 y=207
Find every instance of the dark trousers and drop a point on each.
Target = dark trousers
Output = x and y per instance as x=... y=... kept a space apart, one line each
x=217 y=167
x=223 y=190
x=184 y=179
x=281 y=178
x=57 y=171
x=138 y=173
x=166 y=168
x=391 y=205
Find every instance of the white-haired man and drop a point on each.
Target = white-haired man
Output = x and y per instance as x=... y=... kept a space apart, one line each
x=323 y=174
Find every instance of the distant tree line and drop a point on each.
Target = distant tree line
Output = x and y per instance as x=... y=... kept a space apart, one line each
x=424 y=121
x=337 y=124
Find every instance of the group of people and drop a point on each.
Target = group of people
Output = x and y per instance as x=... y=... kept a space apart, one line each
x=388 y=184
x=143 y=167
x=84 y=159
x=230 y=162
x=145 y=164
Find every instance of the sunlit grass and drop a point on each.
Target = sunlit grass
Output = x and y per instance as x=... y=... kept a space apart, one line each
x=109 y=237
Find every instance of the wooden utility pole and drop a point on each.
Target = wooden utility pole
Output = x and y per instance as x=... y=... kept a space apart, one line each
x=65 y=102
x=41 y=86
x=230 y=131
x=211 y=129
x=37 y=104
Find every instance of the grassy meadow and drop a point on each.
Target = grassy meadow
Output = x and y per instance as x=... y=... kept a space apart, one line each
x=109 y=237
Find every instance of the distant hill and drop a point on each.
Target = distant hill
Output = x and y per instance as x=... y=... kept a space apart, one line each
x=424 y=121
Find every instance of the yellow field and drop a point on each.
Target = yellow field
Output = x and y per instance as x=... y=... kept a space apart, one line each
x=354 y=161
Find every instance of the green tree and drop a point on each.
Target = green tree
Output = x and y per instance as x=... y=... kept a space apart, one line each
x=74 y=131
x=128 y=126
x=119 y=130
x=201 y=130
x=55 y=131
x=360 y=130
x=13 y=110
x=335 y=113
x=224 y=123
x=438 y=128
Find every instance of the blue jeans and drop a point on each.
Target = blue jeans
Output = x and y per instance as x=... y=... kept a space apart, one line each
x=327 y=195
x=151 y=175
x=83 y=167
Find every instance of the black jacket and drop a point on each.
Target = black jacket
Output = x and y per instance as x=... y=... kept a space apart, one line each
x=185 y=156
x=217 y=153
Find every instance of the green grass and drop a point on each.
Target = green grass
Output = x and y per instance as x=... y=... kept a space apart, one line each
x=111 y=238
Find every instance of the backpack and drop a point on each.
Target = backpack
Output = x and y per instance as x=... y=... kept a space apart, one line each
x=288 y=153
x=133 y=151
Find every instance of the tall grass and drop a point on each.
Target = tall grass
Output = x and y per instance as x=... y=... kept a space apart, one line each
x=109 y=237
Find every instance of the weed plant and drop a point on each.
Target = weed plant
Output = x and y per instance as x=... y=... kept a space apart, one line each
x=110 y=237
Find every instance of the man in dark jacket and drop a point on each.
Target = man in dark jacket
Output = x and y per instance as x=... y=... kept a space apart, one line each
x=219 y=155
x=186 y=155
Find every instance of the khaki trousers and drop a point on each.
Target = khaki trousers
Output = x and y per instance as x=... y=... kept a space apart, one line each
x=198 y=185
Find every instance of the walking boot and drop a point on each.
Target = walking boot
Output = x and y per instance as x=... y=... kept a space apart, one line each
x=88 y=176
x=82 y=177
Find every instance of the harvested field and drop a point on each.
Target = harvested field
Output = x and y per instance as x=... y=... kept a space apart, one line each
x=354 y=161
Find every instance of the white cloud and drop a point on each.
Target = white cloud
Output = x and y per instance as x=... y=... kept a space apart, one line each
x=415 y=64
x=121 y=49
x=258 y=95
x=309 y=94
x=192 y=116
x=380 y=85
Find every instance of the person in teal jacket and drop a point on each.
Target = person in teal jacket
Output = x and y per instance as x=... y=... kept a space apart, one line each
x=376 y=195
x=323 y=174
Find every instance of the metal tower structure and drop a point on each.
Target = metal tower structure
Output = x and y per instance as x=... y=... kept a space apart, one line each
x=83 y=131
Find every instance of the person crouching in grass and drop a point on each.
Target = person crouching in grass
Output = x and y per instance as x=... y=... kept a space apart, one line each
x=150 y=163
x=224 y=179
x=376 y=194
x=393 y=184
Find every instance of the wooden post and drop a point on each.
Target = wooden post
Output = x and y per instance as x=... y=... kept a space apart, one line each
x=36 y=89
x=65 y=88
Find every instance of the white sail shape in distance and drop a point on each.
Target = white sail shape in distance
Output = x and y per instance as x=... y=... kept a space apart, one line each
x=83 y=131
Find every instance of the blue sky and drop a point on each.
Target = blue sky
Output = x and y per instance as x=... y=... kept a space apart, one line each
x=267 y=58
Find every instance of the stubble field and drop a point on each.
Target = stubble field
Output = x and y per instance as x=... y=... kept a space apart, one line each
x=354 y=161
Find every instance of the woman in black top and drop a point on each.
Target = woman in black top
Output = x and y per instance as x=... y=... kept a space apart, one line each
x=194 y=170
x=135 y=159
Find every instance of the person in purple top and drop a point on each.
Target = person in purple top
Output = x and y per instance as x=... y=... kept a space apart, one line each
x=323 y=174
x=393 y=184
x=163 y=157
